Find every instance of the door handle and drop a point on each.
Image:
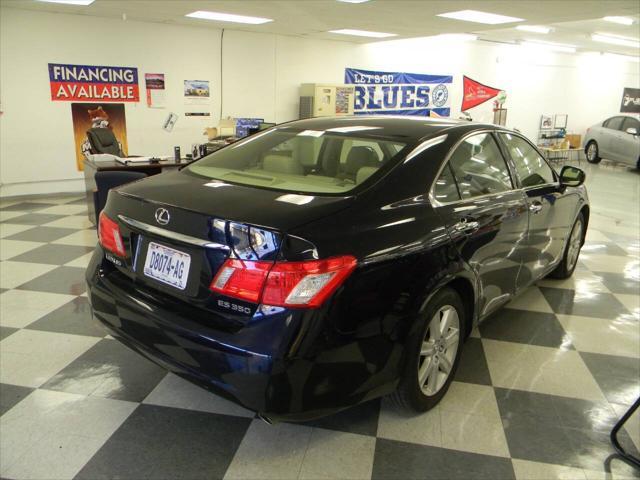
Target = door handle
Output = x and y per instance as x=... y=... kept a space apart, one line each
x=535 y=207
x=466 y=226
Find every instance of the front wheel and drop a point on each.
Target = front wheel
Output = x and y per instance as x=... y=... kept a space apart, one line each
x=433 y=353
x=592 y=152
x=571 y=251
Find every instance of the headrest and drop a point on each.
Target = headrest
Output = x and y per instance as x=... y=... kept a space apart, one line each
x=360 y=157
x=103 y=135
x=282 y=164
x=364 y=173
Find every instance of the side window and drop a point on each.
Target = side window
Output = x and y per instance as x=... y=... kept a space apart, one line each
x=615 y=123
x=479 y=168
x=531 y=167
x=445 y=189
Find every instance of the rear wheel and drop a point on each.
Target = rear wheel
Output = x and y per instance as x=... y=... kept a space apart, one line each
x=592 y=152
x=571 y=251
x=433 y=353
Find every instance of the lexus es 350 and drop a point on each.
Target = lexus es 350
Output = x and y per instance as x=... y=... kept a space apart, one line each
x=325 y=262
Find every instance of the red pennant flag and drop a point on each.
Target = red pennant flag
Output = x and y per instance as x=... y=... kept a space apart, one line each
x=475 y=93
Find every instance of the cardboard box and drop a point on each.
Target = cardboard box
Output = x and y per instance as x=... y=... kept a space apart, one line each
x=575 y=140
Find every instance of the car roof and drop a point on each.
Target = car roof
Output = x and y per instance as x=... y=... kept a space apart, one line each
x=398 y=126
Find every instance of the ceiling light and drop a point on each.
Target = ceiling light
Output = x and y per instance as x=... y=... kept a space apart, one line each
x=480 y=17
x=82 y=3
x=534 y=28
x=353 y=1
x=228 y=17
x=620 y=20
x=363 y=33
x=625 y=42
x=629 y=58
x=557 y=47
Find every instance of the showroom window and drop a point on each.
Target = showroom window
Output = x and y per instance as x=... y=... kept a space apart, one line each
x=479 y=168
x=531 y=167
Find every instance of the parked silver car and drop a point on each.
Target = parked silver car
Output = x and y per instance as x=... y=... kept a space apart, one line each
x=617 y=138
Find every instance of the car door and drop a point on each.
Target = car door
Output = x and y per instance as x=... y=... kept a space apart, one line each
x=485 y=216
x=550 y=212
x=612 y=135
x=628 y=147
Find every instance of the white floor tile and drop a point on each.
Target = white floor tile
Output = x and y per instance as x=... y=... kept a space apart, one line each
x=65 y=210
x=19 y=308
x=531 y=299
x=72 y=221
x=13 y=248
x=14 y=274
x=526 y=470
x=395 y=423
x=174 y=391
x=85 y=238
x=8 y=229
x=619 y=336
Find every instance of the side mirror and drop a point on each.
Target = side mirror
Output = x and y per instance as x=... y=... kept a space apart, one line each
x=632 y=130
x=571 y=176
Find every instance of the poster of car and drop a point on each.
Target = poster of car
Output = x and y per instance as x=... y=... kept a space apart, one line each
x=196 y=88
x=630 y=100
x=97 y=115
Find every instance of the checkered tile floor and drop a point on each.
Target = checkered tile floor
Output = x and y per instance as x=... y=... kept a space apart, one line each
x=540 y=384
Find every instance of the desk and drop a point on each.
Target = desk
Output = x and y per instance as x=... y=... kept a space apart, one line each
x=560 y=154
x=91 y=167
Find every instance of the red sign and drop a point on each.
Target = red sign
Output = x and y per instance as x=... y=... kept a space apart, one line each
x=93 y=83
x=475 y=93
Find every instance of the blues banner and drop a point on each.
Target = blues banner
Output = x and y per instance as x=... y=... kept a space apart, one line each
x=92 y=83
x=399 y=93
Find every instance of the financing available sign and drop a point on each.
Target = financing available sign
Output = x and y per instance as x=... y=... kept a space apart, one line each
x=399 y=93
x=91 y=83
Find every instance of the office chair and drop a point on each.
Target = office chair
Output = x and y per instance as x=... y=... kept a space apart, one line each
x=105 y=181
x=102 y=140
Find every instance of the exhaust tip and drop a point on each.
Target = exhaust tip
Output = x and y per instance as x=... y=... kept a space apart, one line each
x=265 y=419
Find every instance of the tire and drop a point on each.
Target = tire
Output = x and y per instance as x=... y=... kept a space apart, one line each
x=591 y=152
x=410 y=394
x=568 y=263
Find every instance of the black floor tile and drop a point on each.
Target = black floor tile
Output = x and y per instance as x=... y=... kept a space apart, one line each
x=27 y=206
x=34 y=218
x=68 y=280
x=398 y=460
x=6 y=331
x=42 y=234
x=78 y=201
x=617 y=377
x=111 y=370
x=160 y=442
x=53 y=254
x=361 y=419
x=74 y=317
x=473 y=366
x=568 y=302
x=618 y=283
x=518 y=403
x=10 y=395
x=524 y=326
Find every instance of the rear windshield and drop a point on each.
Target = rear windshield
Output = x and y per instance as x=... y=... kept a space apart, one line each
x=310 y=161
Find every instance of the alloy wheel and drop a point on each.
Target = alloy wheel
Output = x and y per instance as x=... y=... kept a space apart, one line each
x=439 y=350
x=574 y=245
x=592 y=151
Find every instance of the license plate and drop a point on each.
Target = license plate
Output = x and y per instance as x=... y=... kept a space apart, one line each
x=167 y=265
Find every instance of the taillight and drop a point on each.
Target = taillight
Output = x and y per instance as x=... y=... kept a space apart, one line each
x=284 y=284
x=109 y=235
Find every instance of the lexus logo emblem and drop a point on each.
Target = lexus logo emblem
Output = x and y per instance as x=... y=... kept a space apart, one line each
x=162 y=216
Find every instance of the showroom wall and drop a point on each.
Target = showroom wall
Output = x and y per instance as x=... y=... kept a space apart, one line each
x=260 y=77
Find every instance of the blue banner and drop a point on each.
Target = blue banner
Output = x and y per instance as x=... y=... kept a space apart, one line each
x=399 y=93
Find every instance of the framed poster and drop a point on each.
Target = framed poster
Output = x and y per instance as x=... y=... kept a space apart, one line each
x=560 y=121
x=546 y=122
x=630 y=100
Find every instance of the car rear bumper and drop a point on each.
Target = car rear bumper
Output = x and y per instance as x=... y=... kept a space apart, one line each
x=253 y=366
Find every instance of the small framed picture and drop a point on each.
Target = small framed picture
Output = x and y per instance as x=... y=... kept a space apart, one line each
x=546 y=122
x=560 y=121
